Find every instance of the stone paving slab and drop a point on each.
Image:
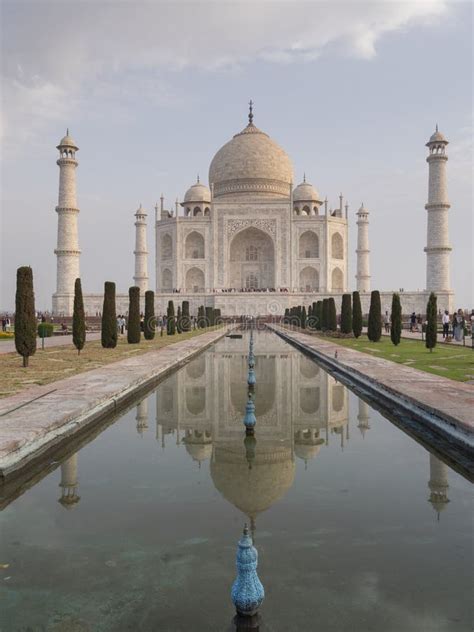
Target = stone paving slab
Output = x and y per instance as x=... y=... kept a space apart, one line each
x=34 y=420
x=449 y=400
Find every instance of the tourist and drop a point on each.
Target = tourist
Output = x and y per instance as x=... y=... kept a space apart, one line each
x=386 y=322
x=7 y=324
x=458 y=325
x=472 y=321
x=123 y=325
x=119 y=324
x=412 y=322
x=142 y=323
x=445 y=320
x=4 y=324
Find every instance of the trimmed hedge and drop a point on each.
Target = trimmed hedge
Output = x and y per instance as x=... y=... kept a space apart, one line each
x=356 y=314
x=45 y=330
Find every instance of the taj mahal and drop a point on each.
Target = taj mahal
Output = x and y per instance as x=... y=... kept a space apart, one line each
x=251 y=242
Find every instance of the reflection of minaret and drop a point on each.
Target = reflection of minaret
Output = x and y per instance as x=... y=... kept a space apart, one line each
x=363 y=417
x=438 y=484
x=142 y=416
x=69 y=483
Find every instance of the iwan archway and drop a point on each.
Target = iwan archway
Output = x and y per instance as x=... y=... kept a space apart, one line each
x=251 y=260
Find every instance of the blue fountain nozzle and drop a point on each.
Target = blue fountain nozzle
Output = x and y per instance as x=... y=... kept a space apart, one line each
x=249 y=418
x=247 y=591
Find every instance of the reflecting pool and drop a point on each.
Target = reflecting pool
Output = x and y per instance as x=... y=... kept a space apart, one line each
x=358 y=526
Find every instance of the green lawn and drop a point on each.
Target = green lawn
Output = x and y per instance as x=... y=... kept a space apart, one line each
x=456 y=363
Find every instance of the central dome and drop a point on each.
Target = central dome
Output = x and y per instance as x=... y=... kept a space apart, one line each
x=251 y=163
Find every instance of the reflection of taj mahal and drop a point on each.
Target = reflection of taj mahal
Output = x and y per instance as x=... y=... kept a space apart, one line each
x=251 y=242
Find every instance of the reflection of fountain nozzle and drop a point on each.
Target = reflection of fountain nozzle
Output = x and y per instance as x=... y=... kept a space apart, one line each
x=251 y=379
x=250 y=444
x=249 y=418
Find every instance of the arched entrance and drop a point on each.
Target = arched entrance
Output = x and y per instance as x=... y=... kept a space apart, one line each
x=251 y=260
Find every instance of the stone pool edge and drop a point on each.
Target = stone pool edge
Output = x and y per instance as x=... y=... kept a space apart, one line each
x=18 y=452
x=441 y=421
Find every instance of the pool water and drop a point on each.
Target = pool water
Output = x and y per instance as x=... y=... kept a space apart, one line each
x=358 y=526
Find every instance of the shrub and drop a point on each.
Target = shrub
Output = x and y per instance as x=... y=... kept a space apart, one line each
x=45 y=330
x=325 y=315
x=356 y=314
x=150 y=319
x=170 y=319
x=201 y=317
x=185 y=317
x=303 y=317
x=25 y=317
x=332 y=316
x=109 y=317
x=179 y=323
x=346 y=314
x=432 y=324
x=133 y=330
x=374 y=329
x=78 y=318
x=396 y=320
x=209 y=316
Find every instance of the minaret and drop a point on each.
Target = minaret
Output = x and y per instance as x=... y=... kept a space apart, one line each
x=437 y=248
x=141 y=253
x=69 y=483
x=67 y=251
x=363 y=251
x=438 y=484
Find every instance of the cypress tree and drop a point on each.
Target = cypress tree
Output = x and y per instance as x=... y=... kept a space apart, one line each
x=332 y=316
x=346 y=314
x=286 y=317
x=209 y=316
x=150 y=319
x=374 y=330
x=109 y=317
x=133 y=330
x=396 y=320
x=217 y=317
x=25 y=317
x=179 y=321
x=432 y=324
x=319 y=315
x=356 y=314
x=170 y=320
x=78 y=318
x=309 y=319
x=185 y=317
x=325 y=314
x=303 y=317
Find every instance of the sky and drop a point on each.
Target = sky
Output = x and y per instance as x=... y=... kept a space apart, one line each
x=151 y=90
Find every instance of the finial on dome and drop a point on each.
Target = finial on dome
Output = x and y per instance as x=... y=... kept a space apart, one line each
x=67 y=131
x=198 y=179
x=250 y=112
x=437 y=127
x=304 y=177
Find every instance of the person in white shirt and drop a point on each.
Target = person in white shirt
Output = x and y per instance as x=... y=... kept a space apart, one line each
x=445 y=320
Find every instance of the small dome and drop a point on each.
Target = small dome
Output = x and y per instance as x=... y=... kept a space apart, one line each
x=198 y=193
x=305 y=192
x=67 y=141
x=437 y=137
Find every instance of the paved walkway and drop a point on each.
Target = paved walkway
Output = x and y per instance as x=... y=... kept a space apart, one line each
x=416 y=335
x=7 y=346
x=36 y=419
x=450 y=400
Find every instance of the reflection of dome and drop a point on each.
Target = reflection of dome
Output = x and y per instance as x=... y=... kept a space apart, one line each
x=257 y=489
x=305 y=452
x=305 y=192
x=199 y=452
x=197 y=193
x=69 y=499
x=251 y=163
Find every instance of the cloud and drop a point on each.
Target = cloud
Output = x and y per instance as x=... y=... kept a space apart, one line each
x=57 y=54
